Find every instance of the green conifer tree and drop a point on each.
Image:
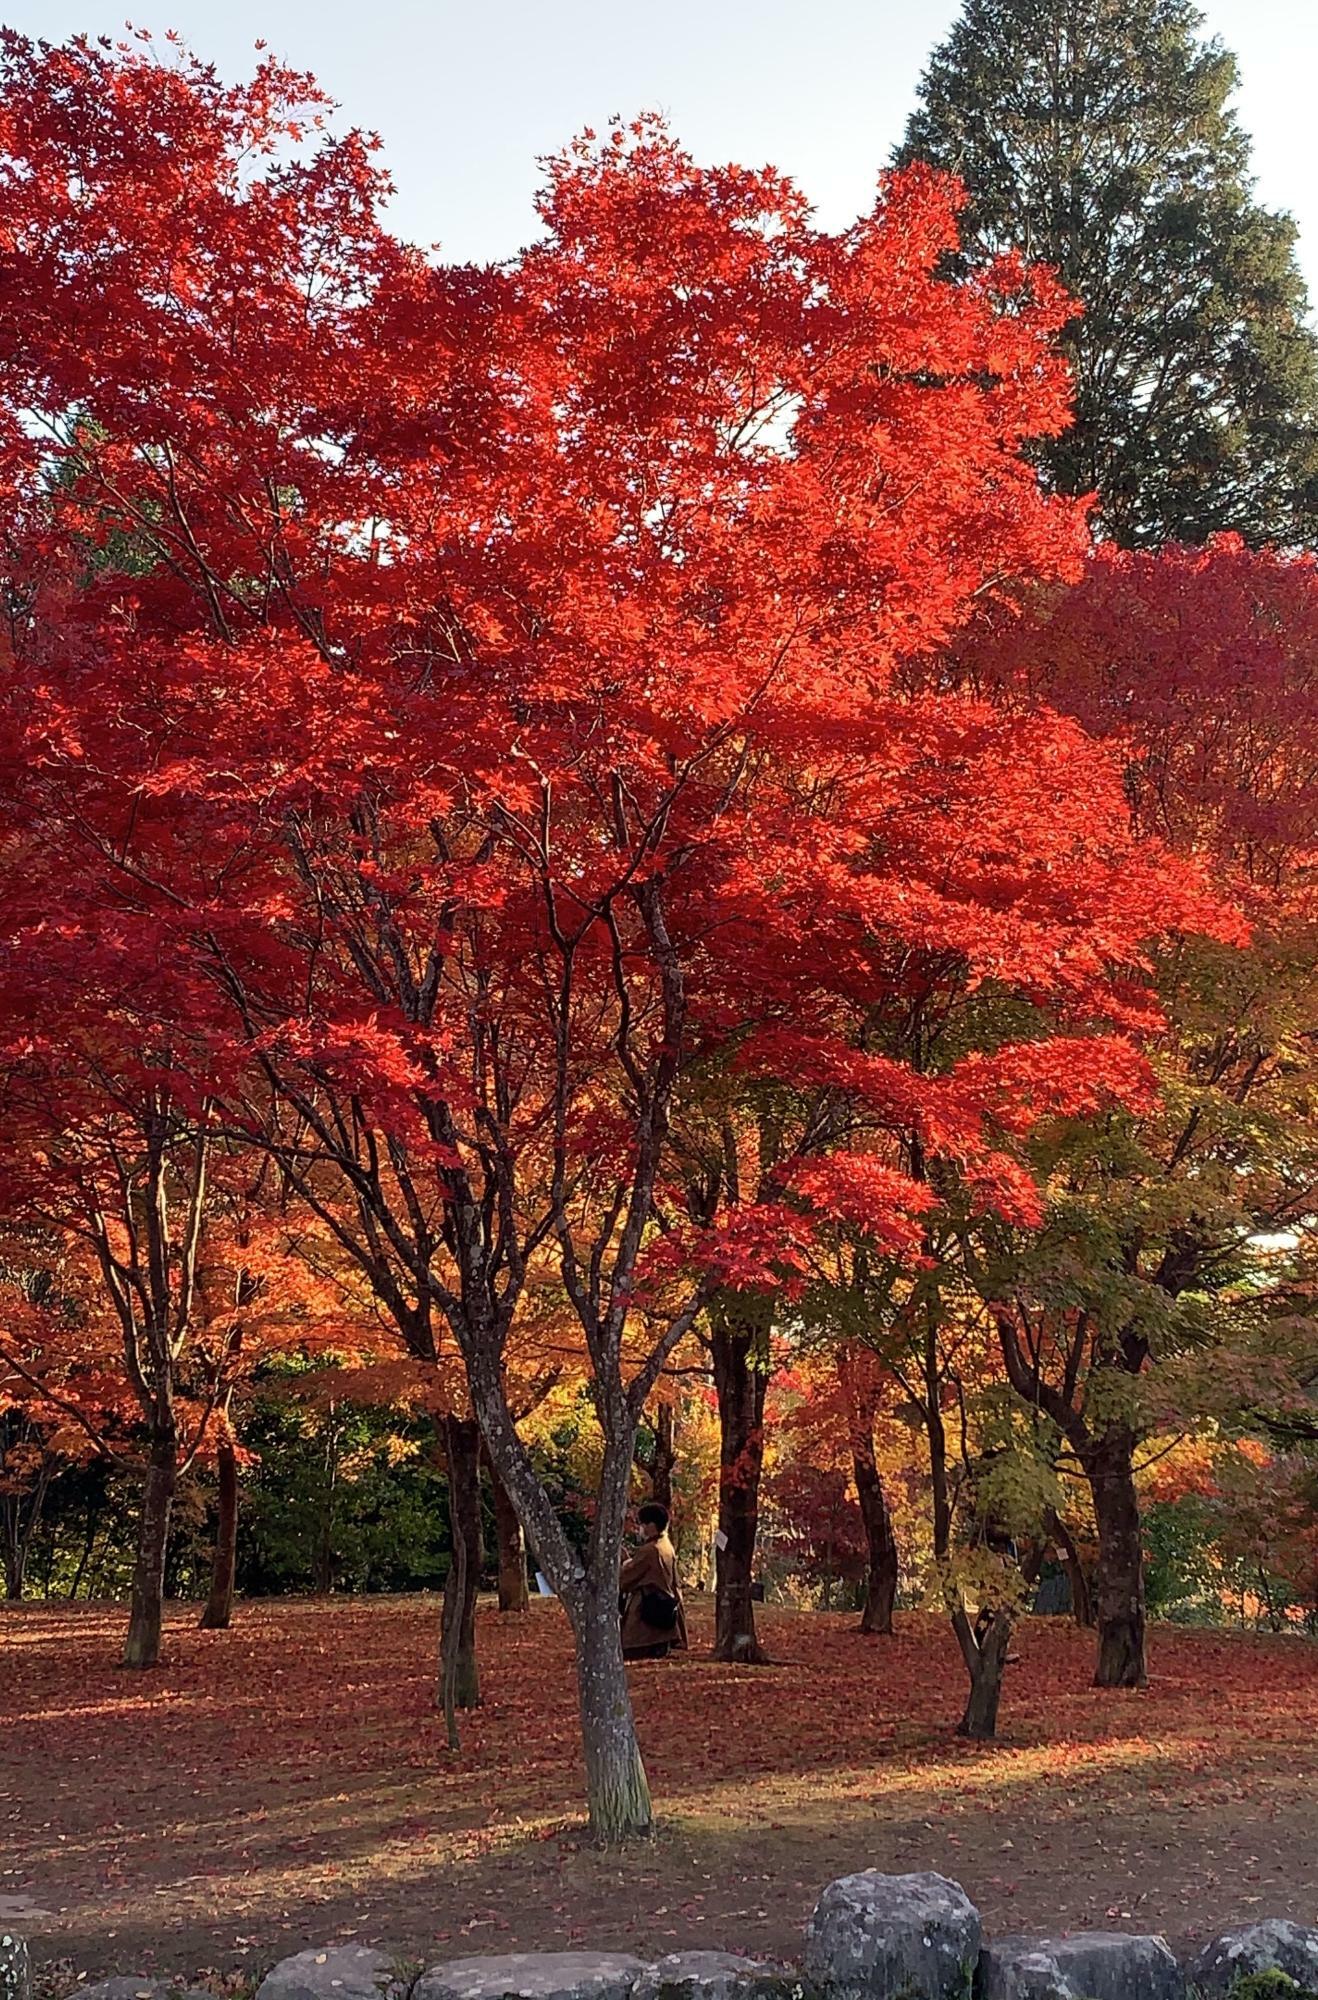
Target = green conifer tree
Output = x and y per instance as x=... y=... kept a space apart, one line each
x=1097 y=136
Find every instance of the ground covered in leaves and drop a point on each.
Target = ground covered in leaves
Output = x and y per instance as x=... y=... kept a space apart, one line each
x=287 y=1783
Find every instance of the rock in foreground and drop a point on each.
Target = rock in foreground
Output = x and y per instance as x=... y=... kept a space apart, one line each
x=893 y=1937
x=1094 y=1965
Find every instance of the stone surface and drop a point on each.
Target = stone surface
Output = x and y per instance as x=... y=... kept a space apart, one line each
x=1095 y=1965
x=334 y=1972
x=15 y=1967
x=716 y=1975
x=893 y=1937
x=533 y=1975
x=141 y=1986
x=1274 y=1945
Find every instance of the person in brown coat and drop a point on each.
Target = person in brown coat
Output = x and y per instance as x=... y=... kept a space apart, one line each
x=650 y=1597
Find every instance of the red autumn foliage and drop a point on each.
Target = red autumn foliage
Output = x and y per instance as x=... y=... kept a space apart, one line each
x=468 y=702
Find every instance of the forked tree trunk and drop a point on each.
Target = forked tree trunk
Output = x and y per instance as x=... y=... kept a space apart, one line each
x=21 y=1514
x=984 y=1657
x=985 y=1664
x=219 y=1605
x=142 y=1645
x=1109 y=1467
x=462 y=1443
x=514 y=1594
x=616 y=1789
x=881 y=1581
x=739 y=1340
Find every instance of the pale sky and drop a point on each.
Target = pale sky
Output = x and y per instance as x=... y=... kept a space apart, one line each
x=467 y=93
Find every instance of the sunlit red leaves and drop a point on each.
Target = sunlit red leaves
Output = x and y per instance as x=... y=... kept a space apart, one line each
x=396 y=628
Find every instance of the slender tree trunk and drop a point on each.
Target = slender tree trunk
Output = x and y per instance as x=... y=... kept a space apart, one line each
x=462 y=1446
x=984 y=1653
x=15 y=1568
x=22 y=1514
x=142 y=1645
x=616 y=1785
x=739 y=1340
x=450 y=1648
x=88 y=1544
x=1082 y=1603
x=665 y=1454
x=219 y=1605
x=1109 y=1467
x=986 y=1664
x=514 y=1595
x=881 y=1582
x=323 y=1572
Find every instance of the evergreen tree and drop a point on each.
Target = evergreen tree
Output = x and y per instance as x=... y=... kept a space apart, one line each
x=1097 y=136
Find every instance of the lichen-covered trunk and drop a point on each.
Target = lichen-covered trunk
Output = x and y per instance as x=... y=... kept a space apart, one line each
x=1109 y=1467
x=514 y=1594
x=739 y=1348
x=218 y=1611
x=883 y=1569
x=617 y=1791
x=142 y=1645
x=462 y=1444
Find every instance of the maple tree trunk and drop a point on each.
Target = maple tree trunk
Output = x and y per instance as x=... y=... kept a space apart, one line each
x=665 y=1455
x=462 y=1443
x=1109 y=1467
x=142 y=1645
x=618 y=1795
x=219 y=1605
x=984 y=1646
x=738 y=1344
x=88 y=1545
x=20 y=1524
x=514 y=1594
x=323 y=1571
x=980 y=1719
x=450 y=1649
x=15 y=1568
x=1082 y=1603
x=617 y=1790
x=16 y=1548
x=881 y=1583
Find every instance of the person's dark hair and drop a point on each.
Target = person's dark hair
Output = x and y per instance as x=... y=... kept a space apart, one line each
x=652 y=1515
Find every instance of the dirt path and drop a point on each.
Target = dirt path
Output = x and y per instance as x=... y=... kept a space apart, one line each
x=286 y=1783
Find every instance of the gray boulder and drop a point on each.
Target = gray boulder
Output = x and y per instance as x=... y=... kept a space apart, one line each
x=715 y=1975
x=332 y=1972
x=1274 y=1945
x=1095 y=1965
x=533 y=1975
x=893 y=1937
x=15 y=1967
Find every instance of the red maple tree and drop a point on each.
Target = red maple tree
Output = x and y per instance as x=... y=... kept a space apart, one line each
x=477 y=687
